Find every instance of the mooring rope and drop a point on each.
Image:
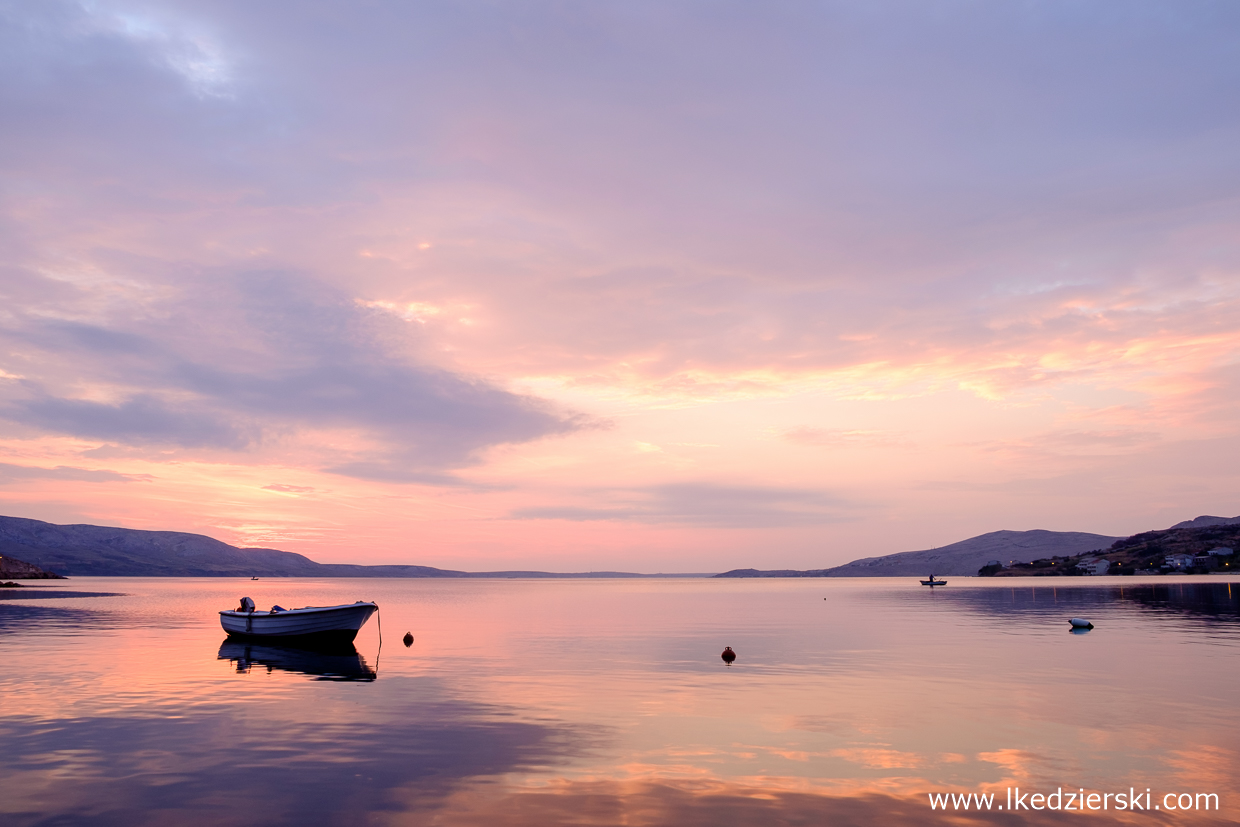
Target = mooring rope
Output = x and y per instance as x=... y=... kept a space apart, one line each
x=379 y=623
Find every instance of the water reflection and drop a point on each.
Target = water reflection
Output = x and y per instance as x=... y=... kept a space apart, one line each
x=225 y=766
x=1214 y=600
x=710 y=803
x=338 y=662
x=1204 y=601
x=597 y=702
x=36 y=593
x=17 y=619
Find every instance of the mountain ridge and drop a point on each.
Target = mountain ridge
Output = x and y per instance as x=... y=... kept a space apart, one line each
x=966 y=557
x=958 y=559
x=104 y=551
x=90 y=550
x=1206 y=521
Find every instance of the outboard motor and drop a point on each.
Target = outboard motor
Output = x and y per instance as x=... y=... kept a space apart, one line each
x=247 y=605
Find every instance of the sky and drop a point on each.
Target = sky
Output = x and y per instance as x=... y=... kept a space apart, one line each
x=585 y=286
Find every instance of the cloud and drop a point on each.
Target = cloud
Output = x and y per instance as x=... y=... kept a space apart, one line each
x=279 y=357
x=16 y=473
x=396 y=471
x=702 y=504
x=937 y=201
x=1078 y=443
x=144 y=419
x=343 y=241
x=838 y=438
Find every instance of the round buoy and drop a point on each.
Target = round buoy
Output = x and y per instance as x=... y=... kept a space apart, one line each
x=728 y=655
x=408 y=638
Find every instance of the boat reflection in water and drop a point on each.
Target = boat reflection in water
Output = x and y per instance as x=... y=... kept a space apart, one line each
x=340 y=662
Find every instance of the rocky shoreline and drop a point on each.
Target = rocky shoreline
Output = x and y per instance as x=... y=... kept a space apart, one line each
x=11 y=567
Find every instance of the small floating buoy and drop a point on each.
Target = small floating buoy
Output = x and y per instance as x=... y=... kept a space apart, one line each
x=728 y=655
x=408 y=638
x=1080 y=623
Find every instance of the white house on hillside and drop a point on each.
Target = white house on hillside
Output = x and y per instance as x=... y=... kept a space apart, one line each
x=1179 y=561
x=1094 y=566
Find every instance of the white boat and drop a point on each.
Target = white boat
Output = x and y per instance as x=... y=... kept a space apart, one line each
x=311 y=623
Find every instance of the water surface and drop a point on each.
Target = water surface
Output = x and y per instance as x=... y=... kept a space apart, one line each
x=605 y=702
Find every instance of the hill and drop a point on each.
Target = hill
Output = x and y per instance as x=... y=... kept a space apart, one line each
x=1148 y=552
x=1206 y=522
x=103 y=551
x=12 y=568
x=88 y=550
x=958 y=559
x=1148 y=549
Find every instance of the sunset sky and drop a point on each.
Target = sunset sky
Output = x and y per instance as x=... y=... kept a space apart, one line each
x=673 y=286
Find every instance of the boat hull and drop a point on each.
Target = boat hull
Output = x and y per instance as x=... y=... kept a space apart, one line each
x=326 y=624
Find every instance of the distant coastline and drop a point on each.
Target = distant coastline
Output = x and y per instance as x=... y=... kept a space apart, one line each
x=47 y=550
x=1204 y=545
x=106 y=551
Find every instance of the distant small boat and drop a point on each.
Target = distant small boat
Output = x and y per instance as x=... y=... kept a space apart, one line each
x=319 y=624
x=253 y=578
x=933 y=582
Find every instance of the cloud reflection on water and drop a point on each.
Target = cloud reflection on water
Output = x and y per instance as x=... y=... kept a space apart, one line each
x=605 y=703
x=187 y=768
x=706 y=802
x=27 y=619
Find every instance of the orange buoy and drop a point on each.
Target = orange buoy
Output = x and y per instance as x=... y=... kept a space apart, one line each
x=728 y=655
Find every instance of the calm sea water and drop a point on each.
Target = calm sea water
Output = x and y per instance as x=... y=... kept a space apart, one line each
x=605 y=702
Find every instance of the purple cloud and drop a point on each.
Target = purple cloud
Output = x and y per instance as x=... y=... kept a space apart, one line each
x=282 y=355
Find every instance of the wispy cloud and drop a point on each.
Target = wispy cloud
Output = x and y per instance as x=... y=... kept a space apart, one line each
x=16 y=473
x=839 y=438
x=284 y=488
x=704 y=505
